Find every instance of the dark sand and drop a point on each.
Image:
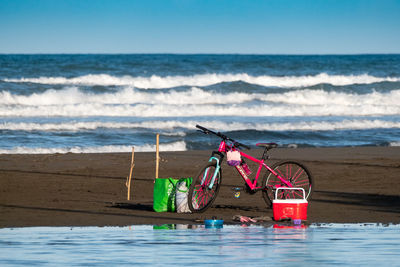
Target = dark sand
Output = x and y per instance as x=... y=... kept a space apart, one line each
x=351 y=185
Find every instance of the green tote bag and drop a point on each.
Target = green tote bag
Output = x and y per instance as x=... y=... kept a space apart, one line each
x=164 y=193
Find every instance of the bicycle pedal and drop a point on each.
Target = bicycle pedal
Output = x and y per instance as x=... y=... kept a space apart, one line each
x=237 y=188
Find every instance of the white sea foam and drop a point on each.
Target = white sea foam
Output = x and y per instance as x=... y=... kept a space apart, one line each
x=170 y=127
x=194 y=95
x=394 y=143
x=177 y=146
x=87 y=110
x=320 y=97
x=158 y=82
x=198 y=102
x=128 y=95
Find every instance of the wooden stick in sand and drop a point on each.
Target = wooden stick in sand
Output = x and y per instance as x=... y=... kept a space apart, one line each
x=157 y=155
x=128 y=184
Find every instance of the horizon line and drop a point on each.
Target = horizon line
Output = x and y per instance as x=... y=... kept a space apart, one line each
x=241 y=54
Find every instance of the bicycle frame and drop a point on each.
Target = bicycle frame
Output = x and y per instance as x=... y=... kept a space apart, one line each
x=224 y=147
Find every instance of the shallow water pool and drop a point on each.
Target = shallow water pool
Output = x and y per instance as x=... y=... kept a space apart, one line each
x=326 y=244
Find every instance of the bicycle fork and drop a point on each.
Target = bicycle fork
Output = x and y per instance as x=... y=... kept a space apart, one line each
x=217 y=168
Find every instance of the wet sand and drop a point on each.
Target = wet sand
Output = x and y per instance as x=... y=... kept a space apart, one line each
x=351 y=185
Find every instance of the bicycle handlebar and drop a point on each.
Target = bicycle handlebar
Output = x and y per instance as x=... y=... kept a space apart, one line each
x=224 y=137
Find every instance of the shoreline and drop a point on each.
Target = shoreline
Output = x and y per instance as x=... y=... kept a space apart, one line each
x=352 y=185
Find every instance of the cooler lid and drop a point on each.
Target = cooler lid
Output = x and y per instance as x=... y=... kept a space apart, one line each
x=290 y=201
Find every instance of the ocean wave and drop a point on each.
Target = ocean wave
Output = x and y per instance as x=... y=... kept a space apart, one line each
x=89 y=110
x=394 y=143
x=176 y=146
x=159 y=82
x=174 y=128
x=196 y=96
x=128 y=95
x=198 y=102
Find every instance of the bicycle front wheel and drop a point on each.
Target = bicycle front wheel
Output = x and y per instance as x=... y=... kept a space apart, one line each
x=295 y=173
x=203 y=189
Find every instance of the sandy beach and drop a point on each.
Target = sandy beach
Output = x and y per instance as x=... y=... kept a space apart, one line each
x=358 y=184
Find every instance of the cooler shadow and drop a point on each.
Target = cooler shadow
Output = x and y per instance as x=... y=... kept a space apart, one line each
x=376 y=202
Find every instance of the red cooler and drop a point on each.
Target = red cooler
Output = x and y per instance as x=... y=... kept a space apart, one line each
x=295 y=209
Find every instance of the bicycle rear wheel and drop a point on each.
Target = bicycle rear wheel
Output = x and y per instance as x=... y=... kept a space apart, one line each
x=295 y=173
x=201 y=193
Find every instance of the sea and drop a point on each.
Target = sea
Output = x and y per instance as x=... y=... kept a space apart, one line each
x=185 y=245
x=100 y=103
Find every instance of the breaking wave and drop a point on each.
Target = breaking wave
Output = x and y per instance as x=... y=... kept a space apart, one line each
x=176 y=146
x=198 y=102
x=159 y=82
x=394 y=143
x=213 y=124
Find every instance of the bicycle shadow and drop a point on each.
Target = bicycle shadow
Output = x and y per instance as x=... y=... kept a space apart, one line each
x=149 y=207
x=132 y=206
x=238 y=208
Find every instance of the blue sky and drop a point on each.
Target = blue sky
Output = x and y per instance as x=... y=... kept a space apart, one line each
x=195 y=26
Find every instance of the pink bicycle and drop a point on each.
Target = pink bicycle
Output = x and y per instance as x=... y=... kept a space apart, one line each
x=287 y=174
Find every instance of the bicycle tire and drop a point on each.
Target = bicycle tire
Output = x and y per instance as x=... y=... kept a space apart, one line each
x=201 y=197
x=296 y=172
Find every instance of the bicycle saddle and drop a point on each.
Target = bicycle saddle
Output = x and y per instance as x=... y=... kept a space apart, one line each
x=267 y=145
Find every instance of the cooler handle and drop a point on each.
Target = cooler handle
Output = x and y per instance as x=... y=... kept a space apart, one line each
x=290 y=188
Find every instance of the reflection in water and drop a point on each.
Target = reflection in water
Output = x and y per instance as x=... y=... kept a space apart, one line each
x=174 y=227
x=197 y=245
